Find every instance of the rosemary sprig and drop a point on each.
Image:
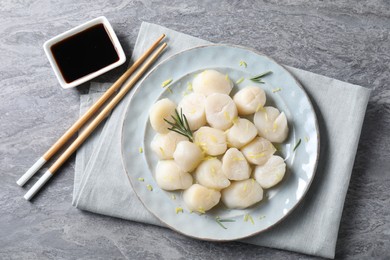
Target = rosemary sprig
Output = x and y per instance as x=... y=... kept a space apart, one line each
x=180 y=125
x=220 y=221
x=258 y=78
x=296 y=146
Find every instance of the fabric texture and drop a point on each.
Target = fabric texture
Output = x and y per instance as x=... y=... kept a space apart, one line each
x=101 y=185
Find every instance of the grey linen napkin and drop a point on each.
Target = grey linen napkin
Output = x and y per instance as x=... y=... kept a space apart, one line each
x=101 y=184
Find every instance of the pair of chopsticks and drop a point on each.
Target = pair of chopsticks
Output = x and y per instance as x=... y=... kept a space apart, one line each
x=95 y=122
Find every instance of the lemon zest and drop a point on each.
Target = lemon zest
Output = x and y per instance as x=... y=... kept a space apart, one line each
x=166 y=83
x=162 y=151
x=260 y=108
x=201 y=210
x=255 y=156
x=249 y=217
x=274 y=127
x=240 y=80
x=189 y=86
x=213 y=138
x=227 y=116
x=243 y=64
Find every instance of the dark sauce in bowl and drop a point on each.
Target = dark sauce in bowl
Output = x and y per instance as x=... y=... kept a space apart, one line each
x=84 y=53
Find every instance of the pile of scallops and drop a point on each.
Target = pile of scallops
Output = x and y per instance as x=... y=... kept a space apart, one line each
x=231 y=157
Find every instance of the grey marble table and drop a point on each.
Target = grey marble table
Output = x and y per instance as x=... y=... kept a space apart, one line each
x=347 y=40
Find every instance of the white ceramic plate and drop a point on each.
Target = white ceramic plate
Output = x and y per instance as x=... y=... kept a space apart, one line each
x=292 y=99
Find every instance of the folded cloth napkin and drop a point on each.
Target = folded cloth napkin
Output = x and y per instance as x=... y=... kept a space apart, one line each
x=101 y=184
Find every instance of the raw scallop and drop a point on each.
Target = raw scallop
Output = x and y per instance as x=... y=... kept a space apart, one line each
x=209 y=174
x=249 y=99
x=271 y=124
x=235 y=166
x=258 y=151
x=162 y=109
x=170 y=177
x=220 y=111
x=271 y=173
x=242 y=194
x=193 y=107
x=199 y=198
x=187 y=155
x=165 y=144
x=212 y=81
x=211 y=140
x=241 y=133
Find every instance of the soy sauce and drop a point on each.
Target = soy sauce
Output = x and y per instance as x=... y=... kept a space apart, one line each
x=84 y=53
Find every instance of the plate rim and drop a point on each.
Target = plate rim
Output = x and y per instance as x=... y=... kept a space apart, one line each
x=173 y=56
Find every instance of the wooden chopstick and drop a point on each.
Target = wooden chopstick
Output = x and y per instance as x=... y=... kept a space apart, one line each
x=91 y=111
x=92 y=126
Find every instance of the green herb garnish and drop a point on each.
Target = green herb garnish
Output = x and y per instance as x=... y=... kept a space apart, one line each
x=220 y=221
x=258 y=78
x=178 y=210
x=276 y=90
x=140 y=150
x=180 y=125
x=149 y=187
x=141 y=179
x=240 y=80
x=166 y=83
x=243 y=64
x=296 y=146
x=248 y=217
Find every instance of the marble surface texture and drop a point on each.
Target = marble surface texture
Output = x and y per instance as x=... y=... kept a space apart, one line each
x=347 y=40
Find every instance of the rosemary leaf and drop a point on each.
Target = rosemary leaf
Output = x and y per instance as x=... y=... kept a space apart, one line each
x=220 y=221
x=227 y=220
x=296 y=146
x=258 y=78
x=258 y=81
x=180 y=125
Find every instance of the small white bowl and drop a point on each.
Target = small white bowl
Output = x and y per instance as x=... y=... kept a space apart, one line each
x=100 y=20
